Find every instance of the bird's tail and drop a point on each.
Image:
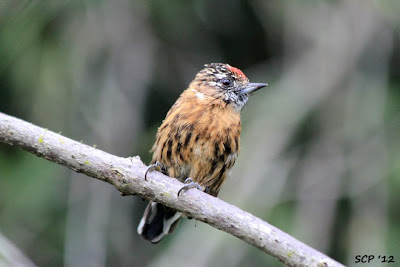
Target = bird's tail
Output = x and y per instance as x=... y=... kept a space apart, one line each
x=157 y=221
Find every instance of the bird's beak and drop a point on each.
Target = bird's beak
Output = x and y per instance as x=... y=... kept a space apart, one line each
x=252 y=87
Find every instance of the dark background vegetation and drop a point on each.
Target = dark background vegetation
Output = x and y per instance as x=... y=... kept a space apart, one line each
x=320 y=146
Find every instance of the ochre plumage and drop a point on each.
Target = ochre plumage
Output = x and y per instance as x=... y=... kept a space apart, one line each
x=199 y=139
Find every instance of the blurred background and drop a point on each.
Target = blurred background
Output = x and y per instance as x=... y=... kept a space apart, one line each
x=320 y=154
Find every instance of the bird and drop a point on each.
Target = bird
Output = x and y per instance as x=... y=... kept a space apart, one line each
x=198 y=141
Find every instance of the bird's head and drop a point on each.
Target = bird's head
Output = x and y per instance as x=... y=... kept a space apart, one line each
x=224 y=82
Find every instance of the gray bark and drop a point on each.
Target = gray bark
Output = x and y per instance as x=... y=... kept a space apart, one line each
x=127 y=175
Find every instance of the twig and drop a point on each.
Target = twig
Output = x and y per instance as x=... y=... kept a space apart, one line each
x=10 y=255
x=127 y=175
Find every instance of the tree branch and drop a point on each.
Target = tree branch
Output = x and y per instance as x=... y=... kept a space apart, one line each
x=127 y=175
x=10 y=255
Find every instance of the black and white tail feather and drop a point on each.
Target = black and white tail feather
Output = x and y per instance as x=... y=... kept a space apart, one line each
x=157 y=221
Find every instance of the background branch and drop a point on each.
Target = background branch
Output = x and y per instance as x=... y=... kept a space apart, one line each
x=126 y=174
x=10 y=255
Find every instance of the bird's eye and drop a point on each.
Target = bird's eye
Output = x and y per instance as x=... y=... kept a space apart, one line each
x=226 y=82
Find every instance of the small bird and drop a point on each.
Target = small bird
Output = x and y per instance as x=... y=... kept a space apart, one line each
x=198 y=141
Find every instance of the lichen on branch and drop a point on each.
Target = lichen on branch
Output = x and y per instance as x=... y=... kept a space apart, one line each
x=127 y=175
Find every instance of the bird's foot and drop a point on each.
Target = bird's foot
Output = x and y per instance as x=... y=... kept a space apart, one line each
x=158 y=166
x=190 y=184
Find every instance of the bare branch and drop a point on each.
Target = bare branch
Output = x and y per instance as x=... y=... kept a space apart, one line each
x=10 y=255
x=127 y=175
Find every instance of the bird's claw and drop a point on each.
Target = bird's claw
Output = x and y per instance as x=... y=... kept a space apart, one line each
x=190 y=184
x=158 y=166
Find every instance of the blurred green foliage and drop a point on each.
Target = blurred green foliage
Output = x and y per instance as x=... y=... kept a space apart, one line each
x=320 y=147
